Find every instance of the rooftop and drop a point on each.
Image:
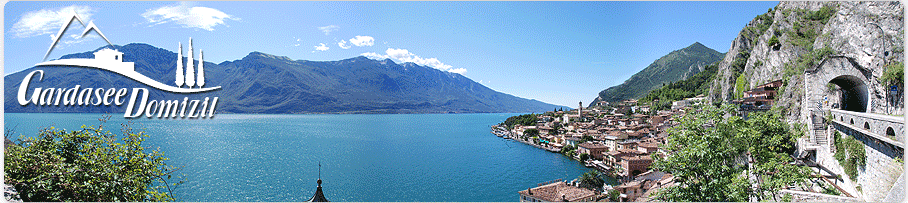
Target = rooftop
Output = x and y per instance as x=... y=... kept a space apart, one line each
x=592 y=146
x=559 y=192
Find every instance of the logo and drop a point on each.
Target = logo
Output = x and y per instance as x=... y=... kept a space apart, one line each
x=187 y=81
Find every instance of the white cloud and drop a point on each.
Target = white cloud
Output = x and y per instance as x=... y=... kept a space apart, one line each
x=328 y=29
x=321 y=47
x=458 y=70
x=343 y=44
x=362 y=41
x=373 y=55
x=402 y=55
x=188 y=16
x=47 y=21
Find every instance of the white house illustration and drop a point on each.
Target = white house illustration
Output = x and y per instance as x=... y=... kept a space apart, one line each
x=112 y=58
x=107 y=53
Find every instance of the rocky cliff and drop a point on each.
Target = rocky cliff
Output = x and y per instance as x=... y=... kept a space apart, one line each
x=795 y=37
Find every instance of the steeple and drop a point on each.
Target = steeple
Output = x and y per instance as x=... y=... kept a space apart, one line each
x=319 y=196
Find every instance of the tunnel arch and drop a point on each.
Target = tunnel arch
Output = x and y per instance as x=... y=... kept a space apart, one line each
x=854 y=93
x=853 y=82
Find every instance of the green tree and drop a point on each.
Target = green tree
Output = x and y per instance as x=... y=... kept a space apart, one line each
x=740 y=86
x=709 y=153
x=567 y=148
x=592 y=180
x=850 y=154
x=613 y=195
x=774 y=42
x=584 y=156
x=586 y=138
x=894 y=75
x=531 y=132
x=570 y=153
x=524 y=120
x=88 y=165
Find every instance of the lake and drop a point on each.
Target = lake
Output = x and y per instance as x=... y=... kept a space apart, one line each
x=385 y=157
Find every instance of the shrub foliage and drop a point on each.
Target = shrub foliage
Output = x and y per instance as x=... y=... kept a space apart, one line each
x=88 y=165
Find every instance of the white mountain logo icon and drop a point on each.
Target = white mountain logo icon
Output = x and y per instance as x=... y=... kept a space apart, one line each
x=112 y=60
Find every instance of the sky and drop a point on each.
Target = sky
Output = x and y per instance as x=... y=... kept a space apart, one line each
x=556 y=52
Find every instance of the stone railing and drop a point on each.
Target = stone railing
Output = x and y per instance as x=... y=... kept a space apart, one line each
x=889 y=129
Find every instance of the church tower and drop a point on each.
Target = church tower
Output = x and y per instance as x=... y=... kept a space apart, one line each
x=318 y=196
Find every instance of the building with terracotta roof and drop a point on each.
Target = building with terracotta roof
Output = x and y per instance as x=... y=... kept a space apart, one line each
x=634 y=165
x=557 y=192
x=612 y=138
x=648 y=146
x=631 y=190
x=594 y=150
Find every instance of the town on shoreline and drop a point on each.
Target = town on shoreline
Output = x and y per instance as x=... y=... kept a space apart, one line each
x=617 y=139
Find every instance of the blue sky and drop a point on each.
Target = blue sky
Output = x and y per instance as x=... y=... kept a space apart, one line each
x=556 y=52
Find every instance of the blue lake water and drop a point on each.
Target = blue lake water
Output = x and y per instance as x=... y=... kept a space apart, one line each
x=399 y=157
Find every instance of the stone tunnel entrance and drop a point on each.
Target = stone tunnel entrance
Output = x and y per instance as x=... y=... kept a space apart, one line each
x=852 y=95
x=852 y=82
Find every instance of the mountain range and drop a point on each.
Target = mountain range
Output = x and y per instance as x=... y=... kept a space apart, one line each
x=674 y=66
x=263 y=83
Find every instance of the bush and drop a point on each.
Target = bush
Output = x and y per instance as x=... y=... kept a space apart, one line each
x=586 y=138
x=584 y=156
x=87 y=165
x=740 y=86
x=893 y=75
x=567 y=148
x=613 y=195
x=850 y=154
x=774 y=42
x=531 y=133
x=830 y=87
x=708 y=146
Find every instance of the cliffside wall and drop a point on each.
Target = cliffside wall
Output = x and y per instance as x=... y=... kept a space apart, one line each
x=795 y=37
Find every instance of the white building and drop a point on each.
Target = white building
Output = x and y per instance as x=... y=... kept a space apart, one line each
x=112 y=58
